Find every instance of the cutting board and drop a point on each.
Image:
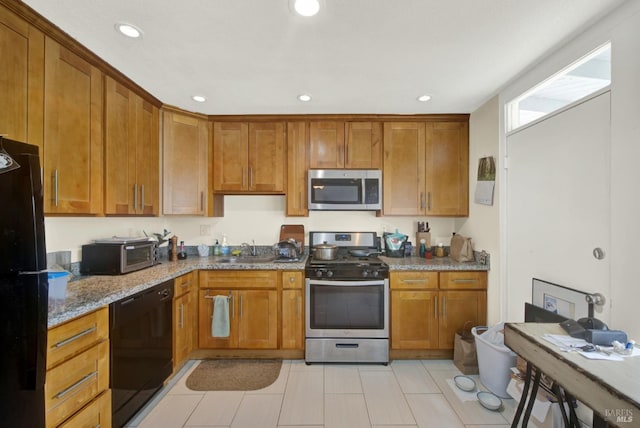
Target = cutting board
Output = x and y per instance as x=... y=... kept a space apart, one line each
x=295 y=231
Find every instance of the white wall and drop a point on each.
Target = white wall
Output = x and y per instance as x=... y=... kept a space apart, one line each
x=245 y=218
x=483 y=223
x=622 y=27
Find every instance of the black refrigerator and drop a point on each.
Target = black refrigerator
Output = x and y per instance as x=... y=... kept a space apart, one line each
x=23 y=287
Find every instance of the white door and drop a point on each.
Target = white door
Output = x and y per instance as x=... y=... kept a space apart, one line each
x=558 y=207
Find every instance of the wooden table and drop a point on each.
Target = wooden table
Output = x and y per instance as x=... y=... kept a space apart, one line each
x=610 y=388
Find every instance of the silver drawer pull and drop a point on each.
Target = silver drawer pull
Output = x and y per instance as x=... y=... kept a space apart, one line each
x=75 y=385
x=415 y=281
x=77 y=336
x=465 y=281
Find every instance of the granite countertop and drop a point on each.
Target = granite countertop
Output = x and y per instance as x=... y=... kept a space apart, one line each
x=436 y=263
x=89 y=293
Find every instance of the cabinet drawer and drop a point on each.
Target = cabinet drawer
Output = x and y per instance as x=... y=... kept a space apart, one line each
x=238 y=279
x=71 y=338
x=416 y=280
x=74 y=383
x=292 y=280
x=95 y=414
x=463 y=280
x=184 y=283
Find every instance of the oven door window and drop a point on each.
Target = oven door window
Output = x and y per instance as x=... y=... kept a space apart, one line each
x=336 y=191
x=346 y=307
x=137 y=255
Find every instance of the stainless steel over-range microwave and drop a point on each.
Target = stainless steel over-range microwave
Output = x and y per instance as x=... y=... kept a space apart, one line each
x=345 y=190
x=116 y=256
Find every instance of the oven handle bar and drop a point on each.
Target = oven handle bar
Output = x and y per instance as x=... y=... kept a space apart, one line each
x=346 y=283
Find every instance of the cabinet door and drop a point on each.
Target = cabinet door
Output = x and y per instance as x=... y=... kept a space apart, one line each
x=403 y=178
x=266 y=157
x=364 y=145
x=72 y=133
x=460 y=309
x=22 y=82
x=292 y=310
x=297 y=165
x=120 y=149
x=230 y=157
x=257 y=319
x=326 y=144
x=184 y=316
x=184 y=164
x=95 y=414
x=447 y=168
x=414 y=319
x=147 y=162
x=205 y=319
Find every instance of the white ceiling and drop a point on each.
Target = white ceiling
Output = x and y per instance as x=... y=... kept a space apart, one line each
x=355 y=56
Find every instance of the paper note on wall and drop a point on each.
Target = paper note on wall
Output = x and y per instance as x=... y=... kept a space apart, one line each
x=486 y=181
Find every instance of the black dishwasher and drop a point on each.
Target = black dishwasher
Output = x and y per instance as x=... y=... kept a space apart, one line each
x=141 y=349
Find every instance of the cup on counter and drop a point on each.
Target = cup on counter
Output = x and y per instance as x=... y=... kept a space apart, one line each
x=428 y=253
x=439 y=251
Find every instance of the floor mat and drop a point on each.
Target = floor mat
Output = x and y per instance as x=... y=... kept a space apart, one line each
x=233 y=375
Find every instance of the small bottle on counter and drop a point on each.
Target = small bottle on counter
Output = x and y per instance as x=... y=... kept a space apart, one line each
x=423 y=248
x=216 y=249
x=182 y=254
x=440 y=250
x=224 y=250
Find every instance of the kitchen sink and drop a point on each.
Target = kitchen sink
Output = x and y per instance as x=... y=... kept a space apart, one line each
x=245 y=259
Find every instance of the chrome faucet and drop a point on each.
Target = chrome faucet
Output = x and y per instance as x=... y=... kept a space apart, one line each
x=252 y=247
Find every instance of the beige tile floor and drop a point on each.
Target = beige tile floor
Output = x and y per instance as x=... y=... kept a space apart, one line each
x=406 y=393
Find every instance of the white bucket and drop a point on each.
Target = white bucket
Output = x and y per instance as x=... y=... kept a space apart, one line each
x=494 y=360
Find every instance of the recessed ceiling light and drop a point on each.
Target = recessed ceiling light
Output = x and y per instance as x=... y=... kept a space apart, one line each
x=306 y=7
x=199 y=98
x=424 y=98
x=129 y=30
x=304 y=97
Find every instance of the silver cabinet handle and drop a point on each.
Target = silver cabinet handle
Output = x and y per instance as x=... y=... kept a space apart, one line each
x=75 y=337
x=465 y=281
x=435 y=310
x=241 y=306
x=444 y=307
x=292 y=279
x=299 y=309
x=55 y=187
x=348 y=154
x=233 y=306
x=250 y=177
x=181 y=315
x=201 y=201
x=429 y=203
x=75 y=385
x=243 y=179
x=421 y=200
x=142 y=198
x=135 y=197
x=416 y=281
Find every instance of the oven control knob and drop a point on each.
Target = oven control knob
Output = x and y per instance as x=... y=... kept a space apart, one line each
x=318 y=273
x=365 y=273
x=329 y=273
x=375 y=273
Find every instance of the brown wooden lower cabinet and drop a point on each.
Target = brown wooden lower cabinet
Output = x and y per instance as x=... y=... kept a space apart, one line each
x=427 y=308
x=292 y=310
x=77 y=380
x=185 y=316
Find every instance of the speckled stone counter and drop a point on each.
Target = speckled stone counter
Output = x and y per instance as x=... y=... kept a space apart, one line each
x=436 y=263
x=92 y=292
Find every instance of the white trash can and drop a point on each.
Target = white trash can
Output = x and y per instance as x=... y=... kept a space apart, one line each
x=494 y=358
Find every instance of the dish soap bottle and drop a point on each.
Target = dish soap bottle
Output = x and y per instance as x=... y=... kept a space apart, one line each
x=216 y=249
x=182 y=254
x=225 y=247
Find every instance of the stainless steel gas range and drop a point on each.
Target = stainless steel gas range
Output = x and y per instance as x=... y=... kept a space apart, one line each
x=347 y=300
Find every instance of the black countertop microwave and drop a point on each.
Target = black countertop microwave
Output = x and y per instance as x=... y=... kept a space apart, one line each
x=117 y=256
x=345 y=190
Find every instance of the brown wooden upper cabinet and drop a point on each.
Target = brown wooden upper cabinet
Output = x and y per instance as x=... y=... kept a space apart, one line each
x=426 y=168
x=131 y=152
x=339 y=144
x=185 y=160
x=21 y=85
x=248 y=157
x=73 y=106
x=297 y=165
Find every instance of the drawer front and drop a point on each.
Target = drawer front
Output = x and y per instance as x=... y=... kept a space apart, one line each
x=463 y=280
x=73 y=337
x=416 y=280
x=237 y=279
x=95 y=414
x=292 y=280
x=184 y=283
x=74 y=383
